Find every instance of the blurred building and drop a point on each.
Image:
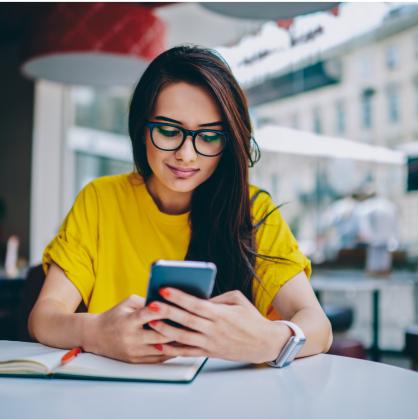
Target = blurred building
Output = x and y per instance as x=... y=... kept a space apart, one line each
x=365 y=89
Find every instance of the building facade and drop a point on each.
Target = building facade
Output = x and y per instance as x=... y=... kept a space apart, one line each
x=364 y=90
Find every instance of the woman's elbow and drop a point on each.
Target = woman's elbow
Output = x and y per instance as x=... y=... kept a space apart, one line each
x=329 y=336
x=35 y=322
x=31 y=325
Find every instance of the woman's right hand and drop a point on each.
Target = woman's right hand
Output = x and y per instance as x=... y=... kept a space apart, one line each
x=119 y=333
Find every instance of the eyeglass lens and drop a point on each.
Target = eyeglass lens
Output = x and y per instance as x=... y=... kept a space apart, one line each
x=169 y=138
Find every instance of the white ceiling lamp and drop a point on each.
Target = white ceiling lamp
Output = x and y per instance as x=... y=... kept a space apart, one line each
x=95 y=44
x=267 y=10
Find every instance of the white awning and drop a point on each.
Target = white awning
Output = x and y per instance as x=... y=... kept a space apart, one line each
x=283 y=140
x=410 y=149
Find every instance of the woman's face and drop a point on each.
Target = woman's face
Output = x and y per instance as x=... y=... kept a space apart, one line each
x=190 y=107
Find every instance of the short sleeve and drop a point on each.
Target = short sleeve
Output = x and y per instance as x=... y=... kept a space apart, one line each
x=74 y=248
x=274 y=238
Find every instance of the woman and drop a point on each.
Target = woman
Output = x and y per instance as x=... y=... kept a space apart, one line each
x=190 y=199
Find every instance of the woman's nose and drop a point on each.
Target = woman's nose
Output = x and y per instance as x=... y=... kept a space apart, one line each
x=187 y=152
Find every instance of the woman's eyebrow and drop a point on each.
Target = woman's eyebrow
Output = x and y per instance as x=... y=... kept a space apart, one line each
x=163 y=118
x=212 y=124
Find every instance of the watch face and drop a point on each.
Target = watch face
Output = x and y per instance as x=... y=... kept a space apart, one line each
x=295 y=351
x=289 y=352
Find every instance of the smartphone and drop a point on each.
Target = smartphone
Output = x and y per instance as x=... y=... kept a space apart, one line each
x=194 y=278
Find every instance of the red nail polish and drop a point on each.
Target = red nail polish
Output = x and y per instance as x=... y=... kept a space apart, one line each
x=153 y=322
x=158 y=347
x=154 y=307
x=164 y=292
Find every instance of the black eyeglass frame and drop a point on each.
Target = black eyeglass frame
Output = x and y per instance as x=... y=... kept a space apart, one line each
x=186 y=133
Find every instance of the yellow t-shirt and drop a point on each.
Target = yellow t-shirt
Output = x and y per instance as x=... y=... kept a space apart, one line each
x=115 y=231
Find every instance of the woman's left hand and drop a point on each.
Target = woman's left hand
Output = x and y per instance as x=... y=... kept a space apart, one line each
x=227 y=326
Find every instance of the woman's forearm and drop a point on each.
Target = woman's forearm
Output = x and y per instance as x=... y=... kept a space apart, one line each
x=53 y=321
x=51 y=325
x=295 y=301
x=317 y=330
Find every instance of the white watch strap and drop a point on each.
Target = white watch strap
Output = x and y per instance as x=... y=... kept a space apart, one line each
x=298 y=331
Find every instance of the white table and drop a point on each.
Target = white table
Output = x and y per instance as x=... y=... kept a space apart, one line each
x=323 y=386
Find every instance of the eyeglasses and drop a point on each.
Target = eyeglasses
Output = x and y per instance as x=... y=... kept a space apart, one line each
x=169 y=137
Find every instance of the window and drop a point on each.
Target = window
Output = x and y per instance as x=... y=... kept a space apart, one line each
x=261 y=122
x=366 y=66
x=340 y=117
x=99 y=137
x=393 y=106
x=317 y=121
x=416 y=98
x=366 y=105
x=392 y=57
x=274 y=186
x=104 y=109
x=89 y=167
x=295 y=122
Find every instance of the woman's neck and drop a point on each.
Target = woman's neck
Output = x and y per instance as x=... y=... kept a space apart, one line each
x=168 y=201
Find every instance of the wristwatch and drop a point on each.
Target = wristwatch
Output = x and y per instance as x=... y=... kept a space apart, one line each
x=292 y=347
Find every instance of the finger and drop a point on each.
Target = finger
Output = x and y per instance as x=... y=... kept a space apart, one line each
x=183 y=317
x=182 y=351
x=175 y=334
x=177 y=344
x=136 y=352
x=231 y=298
x=152 y=359
x=202 y=308
x=152 y=312
x=152 y=337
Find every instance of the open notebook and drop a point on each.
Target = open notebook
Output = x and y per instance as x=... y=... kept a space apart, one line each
x=37 y=360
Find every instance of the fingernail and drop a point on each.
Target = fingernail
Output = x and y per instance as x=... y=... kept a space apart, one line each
x=154 y=307
x=158 y=347
x=164 y=292
x=153 y=322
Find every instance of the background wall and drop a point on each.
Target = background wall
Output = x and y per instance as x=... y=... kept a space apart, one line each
x=16 y=123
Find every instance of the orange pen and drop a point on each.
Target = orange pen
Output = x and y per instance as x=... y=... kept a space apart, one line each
x=69 y=356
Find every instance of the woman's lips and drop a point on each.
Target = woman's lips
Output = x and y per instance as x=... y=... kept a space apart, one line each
x=182 y=171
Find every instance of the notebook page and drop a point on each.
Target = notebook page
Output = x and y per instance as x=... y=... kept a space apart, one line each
x=27 y=351
x=176 y=369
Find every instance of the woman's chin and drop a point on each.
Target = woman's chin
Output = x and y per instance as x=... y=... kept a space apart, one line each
x=182 y=184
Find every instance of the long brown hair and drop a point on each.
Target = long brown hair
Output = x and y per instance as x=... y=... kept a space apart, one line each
x=222 y=229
